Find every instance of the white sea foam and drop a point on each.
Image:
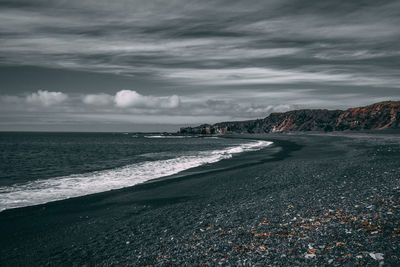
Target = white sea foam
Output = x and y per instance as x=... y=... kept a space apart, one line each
x=168 y=136
x=43 y=191
x=154 y=136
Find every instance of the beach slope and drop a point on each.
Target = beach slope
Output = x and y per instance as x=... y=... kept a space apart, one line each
x=318 y=199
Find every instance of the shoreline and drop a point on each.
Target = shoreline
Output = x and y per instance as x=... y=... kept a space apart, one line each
x=247 y=213
x=207 y=168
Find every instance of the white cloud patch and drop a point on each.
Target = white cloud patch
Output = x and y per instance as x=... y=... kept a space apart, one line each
x=339 y=54
x=46 y=98
x=235 y=109
x=98 y=99
x=129 y=98
x=258 y=75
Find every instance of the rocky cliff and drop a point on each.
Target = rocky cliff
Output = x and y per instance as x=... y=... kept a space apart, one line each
x=379 y=116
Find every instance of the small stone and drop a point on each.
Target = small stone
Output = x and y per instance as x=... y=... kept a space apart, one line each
x=309 y=256
x=376 y=256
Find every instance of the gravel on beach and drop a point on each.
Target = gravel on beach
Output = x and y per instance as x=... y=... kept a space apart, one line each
x=330 y=200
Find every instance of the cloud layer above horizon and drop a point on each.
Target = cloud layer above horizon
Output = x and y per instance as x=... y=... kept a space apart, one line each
x=193 y=61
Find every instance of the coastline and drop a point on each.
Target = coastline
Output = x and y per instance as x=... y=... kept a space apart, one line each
x=61 y=187
x=221 y=215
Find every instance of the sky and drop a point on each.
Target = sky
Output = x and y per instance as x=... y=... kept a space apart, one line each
x=127 y=65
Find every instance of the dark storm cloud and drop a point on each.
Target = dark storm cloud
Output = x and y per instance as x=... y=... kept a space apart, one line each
x=256 y=56
x=134 y=37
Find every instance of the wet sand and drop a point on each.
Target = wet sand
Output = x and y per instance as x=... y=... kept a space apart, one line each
x=314 y=199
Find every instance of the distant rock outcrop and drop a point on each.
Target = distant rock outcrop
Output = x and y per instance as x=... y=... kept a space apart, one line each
x=379 y=116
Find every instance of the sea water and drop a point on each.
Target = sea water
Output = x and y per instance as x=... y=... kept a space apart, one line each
x=37 y=168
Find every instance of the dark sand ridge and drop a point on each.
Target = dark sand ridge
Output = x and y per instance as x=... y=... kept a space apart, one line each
x=318 y=200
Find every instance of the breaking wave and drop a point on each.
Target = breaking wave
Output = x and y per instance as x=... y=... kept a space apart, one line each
x=58 y=188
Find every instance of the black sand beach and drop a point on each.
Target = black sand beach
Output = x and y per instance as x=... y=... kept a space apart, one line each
x=318 y=200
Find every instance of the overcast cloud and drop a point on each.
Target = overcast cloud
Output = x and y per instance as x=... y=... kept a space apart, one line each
x=134 y=62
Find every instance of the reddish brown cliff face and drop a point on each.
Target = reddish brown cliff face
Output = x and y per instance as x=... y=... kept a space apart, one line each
x=379 y=116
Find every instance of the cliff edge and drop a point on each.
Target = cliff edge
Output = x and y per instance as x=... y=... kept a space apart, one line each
x=378 y=116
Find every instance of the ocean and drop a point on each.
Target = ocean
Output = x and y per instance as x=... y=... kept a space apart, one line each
x=37 y=168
